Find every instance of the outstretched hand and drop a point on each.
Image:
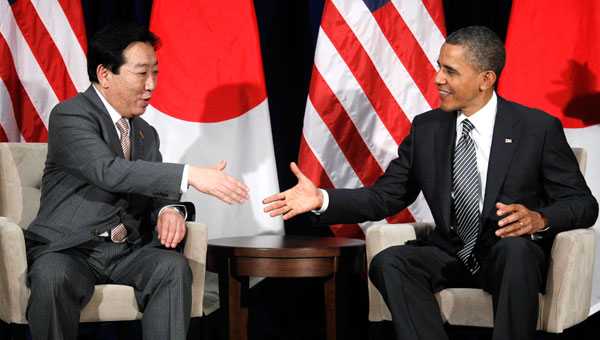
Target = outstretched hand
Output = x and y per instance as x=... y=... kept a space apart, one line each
x=303 y=197
x=211 y=180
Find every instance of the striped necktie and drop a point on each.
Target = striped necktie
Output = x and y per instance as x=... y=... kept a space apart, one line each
x=465 y=183
x=125 y=141
x=118 y=234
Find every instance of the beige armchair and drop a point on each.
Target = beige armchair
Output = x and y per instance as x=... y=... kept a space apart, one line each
x=21 y=167
x=568 y=288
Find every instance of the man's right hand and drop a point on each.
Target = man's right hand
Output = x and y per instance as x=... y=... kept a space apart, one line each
x=211 y=180
x=303 y=197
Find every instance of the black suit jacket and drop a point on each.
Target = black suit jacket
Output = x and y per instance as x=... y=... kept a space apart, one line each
x=530 y=163
x=88 y=187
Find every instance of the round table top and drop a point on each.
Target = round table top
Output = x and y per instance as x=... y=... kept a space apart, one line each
x=284 y=246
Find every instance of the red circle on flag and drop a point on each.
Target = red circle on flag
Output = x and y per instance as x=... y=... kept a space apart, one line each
x=554 y=65
x=210 y=68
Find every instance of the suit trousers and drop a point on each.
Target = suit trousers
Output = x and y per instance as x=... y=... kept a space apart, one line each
x=407 y=277
x=62 y=283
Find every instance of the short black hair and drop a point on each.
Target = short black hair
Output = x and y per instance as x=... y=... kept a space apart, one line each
x=107 y=45
x=484 y=48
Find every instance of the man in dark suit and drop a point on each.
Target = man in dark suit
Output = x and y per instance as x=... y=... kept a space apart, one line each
x=104 y=189
x=501 y=182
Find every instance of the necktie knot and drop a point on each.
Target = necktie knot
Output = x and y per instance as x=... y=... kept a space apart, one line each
x=125 y=142
x=122 y=126
x=467 y=127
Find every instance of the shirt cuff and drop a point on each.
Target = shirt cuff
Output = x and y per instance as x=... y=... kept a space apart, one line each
x=325 y=203
x=179 y=207
x=184 y=180
x=538 y=235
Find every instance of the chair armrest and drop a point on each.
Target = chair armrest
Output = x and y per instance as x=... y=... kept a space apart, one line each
x=378 y=238
x=569 y=287
x=195 y=251
x=423 y=229
x=382 y=236
x=13 y=272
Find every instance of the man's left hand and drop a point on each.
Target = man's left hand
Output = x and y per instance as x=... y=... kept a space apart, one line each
x=171 y=227
x=519 y=220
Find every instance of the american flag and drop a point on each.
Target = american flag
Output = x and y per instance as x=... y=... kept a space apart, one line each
x=373 y=72
x=42 y=62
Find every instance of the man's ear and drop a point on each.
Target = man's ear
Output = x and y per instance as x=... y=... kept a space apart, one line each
x=103 y=75
x=488 y=80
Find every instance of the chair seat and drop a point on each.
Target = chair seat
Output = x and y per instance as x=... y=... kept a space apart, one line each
x=111 y=303
x=466 y=307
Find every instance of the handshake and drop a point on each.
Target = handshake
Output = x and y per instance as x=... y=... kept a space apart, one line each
x=211 y=180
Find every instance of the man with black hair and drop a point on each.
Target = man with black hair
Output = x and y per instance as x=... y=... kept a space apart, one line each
x=501 y=182
x=104 y=189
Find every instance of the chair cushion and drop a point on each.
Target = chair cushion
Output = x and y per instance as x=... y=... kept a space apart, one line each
x=471 y=307
x=111 y=303
x=466 y=307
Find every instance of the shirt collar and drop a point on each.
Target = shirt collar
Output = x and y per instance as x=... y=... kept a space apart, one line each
x=114 y=115
x=483 y=120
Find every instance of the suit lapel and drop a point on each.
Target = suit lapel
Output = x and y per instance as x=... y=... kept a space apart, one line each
x=444 y=150
x=109 y=129
x=504 y=143
x=137 y=139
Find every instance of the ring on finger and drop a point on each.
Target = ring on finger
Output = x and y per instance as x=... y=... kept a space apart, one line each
x=521 y=223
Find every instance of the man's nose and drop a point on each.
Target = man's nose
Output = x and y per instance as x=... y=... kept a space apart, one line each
x=151 y=83
x=438 y=79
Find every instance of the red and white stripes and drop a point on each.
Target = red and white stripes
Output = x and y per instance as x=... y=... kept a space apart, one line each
x=373 y=72
x=43 y=62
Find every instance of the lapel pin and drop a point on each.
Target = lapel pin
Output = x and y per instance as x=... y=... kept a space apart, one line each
x=506 y=140
x=141 y=138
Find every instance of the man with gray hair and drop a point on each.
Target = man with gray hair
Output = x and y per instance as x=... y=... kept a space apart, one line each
x=501 y=182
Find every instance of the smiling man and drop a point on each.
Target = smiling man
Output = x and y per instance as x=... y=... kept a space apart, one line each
x=501 y=182
x=105 y=189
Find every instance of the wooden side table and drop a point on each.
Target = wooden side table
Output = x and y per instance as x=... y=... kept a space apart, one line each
x=235 y=259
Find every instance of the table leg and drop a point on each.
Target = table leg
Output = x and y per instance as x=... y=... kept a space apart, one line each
x=330 y=309
x=233 y=297
x=341 y=304
x=335 y=303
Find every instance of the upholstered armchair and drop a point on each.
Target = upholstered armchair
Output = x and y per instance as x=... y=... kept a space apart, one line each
x=21 y=167
x=568 y=288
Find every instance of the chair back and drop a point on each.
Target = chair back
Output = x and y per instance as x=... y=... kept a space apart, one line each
x=21 y=169
x=581 y=156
